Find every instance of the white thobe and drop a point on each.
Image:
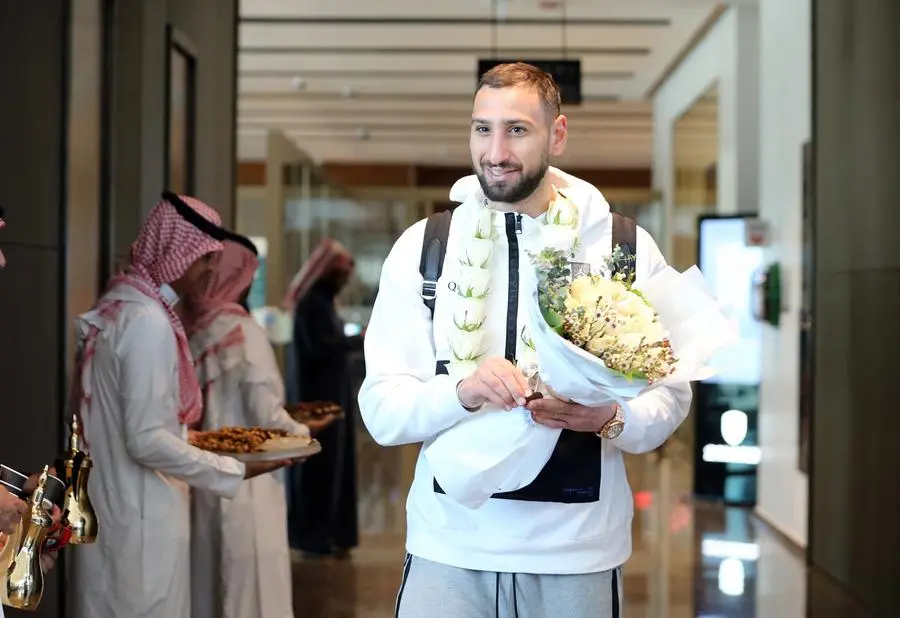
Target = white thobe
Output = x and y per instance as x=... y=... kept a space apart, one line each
x=240 y=559
x=139 y=566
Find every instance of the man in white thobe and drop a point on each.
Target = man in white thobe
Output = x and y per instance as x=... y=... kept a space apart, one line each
x=240 y=560
x=136 y=392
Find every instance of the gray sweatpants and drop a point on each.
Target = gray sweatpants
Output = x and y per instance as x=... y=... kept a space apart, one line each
x=432 y=590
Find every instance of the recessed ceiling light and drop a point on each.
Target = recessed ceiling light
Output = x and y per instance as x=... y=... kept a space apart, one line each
x=298 y=83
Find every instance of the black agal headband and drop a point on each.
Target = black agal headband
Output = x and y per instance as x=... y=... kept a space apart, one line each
x=195 y=218
x=243 y=241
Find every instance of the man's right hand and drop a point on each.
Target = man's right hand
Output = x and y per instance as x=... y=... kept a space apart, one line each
x=11 y=511
x=316 y=425
x=496 y=381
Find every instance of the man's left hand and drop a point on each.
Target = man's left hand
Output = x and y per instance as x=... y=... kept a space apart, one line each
x=556 y=413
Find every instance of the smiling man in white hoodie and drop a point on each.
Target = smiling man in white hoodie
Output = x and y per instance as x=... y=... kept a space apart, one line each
x=555 y=547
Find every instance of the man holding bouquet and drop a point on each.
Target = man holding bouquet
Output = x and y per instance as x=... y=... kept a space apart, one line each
x=453 y=354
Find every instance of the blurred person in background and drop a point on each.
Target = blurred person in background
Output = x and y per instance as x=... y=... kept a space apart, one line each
x=136 y=392
x=322 y=512
x=240 y=559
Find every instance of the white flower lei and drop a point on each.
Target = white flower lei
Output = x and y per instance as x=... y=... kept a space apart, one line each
x=473 y=282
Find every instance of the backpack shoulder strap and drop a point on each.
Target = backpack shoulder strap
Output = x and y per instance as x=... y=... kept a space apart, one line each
x=434 y=248
x=624 y=235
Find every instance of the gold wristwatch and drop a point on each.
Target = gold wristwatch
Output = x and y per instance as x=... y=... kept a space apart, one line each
x=614 y=426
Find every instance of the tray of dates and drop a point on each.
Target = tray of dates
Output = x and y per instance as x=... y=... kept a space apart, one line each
x=255 y=443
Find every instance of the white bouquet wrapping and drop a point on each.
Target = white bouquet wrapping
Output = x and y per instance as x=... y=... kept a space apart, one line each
x=491 y=451
x=594 y=340
x=612 y=342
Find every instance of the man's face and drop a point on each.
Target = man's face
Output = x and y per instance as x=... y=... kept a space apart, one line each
x=512 y=139
x=194 y=275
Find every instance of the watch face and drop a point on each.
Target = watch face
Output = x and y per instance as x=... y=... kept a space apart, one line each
x=614 y=430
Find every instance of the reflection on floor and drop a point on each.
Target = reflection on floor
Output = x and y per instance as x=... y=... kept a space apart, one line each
x=690 y=560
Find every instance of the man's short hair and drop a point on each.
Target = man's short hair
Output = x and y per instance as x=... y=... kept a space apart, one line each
x=522 y=74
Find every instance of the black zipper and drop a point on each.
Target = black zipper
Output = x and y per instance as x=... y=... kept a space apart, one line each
x=513 y=230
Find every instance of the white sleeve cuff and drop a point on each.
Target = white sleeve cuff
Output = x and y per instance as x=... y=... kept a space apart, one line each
x=451 y=408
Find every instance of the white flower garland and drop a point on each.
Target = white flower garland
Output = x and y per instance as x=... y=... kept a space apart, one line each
x=473 y=282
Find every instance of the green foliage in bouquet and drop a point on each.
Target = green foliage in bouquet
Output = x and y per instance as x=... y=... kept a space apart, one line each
x=554 y=273
x=622 y=262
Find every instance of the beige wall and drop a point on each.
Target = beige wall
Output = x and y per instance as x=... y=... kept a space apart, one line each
x=693 y=198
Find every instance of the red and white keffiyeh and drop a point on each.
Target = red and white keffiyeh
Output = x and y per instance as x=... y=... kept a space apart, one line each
x=329 y=256
x=167 y=245
x=219 y=294
x=221 y=290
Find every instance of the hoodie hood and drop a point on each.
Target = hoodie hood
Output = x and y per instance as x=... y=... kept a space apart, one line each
x=592 y=206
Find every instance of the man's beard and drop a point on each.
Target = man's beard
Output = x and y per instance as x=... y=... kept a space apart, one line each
x=516 y=191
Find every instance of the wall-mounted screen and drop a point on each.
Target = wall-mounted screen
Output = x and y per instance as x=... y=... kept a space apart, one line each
x=726 y=408
x=730 y=265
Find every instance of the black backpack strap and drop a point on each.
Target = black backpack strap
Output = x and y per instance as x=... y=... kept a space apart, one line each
x=434 y=247
x=624 y=235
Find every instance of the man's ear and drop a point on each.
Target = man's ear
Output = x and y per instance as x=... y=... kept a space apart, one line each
x=559 y=135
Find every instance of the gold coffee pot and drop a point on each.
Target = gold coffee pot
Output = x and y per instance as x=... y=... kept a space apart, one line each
x=8 y=553
x=78 y=512
x=24 y=581
x=15 y=482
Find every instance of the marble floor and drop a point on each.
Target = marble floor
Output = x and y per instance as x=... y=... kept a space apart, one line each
x=690 y=559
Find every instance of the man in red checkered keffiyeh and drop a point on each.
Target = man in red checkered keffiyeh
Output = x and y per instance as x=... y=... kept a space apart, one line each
x=329 y=258
x=171 y=254
x=224 y=286
x=242 y=386
x=136 y=392
x=322 y=516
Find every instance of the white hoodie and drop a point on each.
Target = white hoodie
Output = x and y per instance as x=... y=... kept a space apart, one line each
x=402 y=401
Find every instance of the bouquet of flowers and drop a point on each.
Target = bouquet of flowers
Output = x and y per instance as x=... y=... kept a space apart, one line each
x=601 y=338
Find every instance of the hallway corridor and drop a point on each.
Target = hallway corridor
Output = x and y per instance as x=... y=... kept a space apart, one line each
x=690 y=559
